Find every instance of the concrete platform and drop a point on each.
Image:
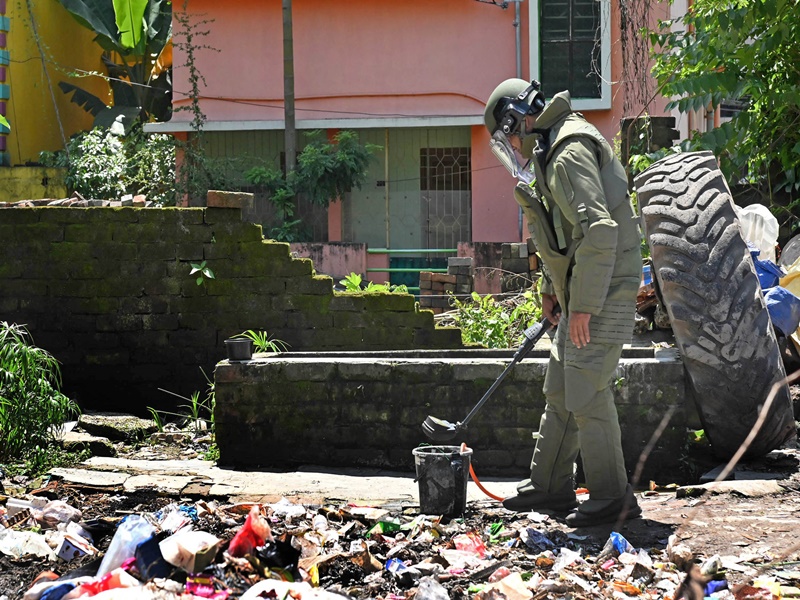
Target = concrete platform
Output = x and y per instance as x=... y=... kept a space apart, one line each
x=311 y=485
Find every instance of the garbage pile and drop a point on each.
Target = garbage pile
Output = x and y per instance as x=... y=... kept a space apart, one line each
x=288 y=550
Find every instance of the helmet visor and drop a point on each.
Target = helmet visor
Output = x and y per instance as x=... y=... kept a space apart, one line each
x=509 y=157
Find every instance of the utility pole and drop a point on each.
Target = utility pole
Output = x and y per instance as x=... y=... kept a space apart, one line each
x=290 y=134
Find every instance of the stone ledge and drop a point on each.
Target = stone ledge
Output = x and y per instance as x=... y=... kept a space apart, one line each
x=268 y=414
x=222 y=199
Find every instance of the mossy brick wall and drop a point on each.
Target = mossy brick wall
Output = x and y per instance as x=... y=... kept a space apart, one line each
x=108 y=292
x=366 y=409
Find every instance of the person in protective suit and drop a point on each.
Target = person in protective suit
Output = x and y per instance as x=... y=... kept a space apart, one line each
x=574 y=194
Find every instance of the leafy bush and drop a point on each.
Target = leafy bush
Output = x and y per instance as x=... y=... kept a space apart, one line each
x=493 y=324
x=353 y=284
x=150 y=166
x=32 y=409
x=744 y=52
x=106 y=165
x=324 y=173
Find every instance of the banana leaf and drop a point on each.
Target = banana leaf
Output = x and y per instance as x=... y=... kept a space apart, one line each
x=86 y=100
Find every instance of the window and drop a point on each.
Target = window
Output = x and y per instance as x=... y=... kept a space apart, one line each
x=570 y=49
x=445 y=169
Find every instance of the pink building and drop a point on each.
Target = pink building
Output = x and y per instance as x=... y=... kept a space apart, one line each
x=410 y=76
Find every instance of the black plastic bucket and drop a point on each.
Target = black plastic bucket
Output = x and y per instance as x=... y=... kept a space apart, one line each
x=239 y=348
x=442 y=476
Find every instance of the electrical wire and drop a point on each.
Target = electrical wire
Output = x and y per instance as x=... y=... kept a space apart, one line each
x=75 y=71
x=463 y=449
x=108 y=78
x=480 y=485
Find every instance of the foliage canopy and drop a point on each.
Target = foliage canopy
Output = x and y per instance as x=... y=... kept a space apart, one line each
x=747 y=51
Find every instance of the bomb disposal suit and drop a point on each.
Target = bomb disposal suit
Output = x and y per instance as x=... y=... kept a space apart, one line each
x=574 y=194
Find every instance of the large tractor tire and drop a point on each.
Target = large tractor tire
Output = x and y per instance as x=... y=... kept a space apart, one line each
x=708 y=283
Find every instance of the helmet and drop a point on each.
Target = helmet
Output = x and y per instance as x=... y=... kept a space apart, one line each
x=510 y=102
x=504 y=116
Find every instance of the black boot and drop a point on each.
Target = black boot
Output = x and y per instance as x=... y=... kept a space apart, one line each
x=623 y=508
x=557 y=502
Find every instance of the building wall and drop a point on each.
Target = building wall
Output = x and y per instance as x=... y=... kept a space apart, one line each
x=364 y=58
x=377 y=65
x=36 y=123
x=410 y=59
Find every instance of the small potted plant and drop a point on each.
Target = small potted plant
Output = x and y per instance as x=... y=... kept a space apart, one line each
x=240 y=347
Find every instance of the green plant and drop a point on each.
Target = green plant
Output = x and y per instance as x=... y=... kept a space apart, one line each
x=352 y=284
x=96 y=165
x=745 y=52
x=194 y=409
x=135 y=32
x=210 y=401
x=263 y=342
x=103 y=164
x=205 y=272
x=157 y=419
x=212 y=453
x=43 y=459
x=198 y=410
x=32 y=409
x=198 y=172
x=150 y=165
x=493 y=324
x=325 y=171
x=639 y=162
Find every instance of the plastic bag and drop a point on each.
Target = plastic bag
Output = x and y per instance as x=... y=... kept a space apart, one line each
x=759 y=227
x=57 y=512
x=784 y=309
x=470 y=542
x=192 y=551
x=132 y=531
x=254 y=533
x=19 y=543
x=113 y=580
x=769 y=274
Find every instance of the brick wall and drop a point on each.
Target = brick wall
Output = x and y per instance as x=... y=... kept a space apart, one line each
x=438 y=289
x=366 y=409
x=520 y=267
x=108 y=292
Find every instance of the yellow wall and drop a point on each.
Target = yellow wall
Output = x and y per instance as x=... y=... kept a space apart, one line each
x=31 y=183
x=67 y=46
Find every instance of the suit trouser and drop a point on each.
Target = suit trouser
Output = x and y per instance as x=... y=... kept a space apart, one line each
x=580 y=415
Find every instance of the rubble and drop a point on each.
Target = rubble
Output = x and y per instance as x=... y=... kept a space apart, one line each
x=206 y=549
x=78 y=537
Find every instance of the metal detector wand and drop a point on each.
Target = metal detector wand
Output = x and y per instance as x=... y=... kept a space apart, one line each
x=532 y=335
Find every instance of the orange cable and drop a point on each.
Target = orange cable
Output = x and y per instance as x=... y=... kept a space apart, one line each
x=580 y=490
x=475 y=477
x=480 y=485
